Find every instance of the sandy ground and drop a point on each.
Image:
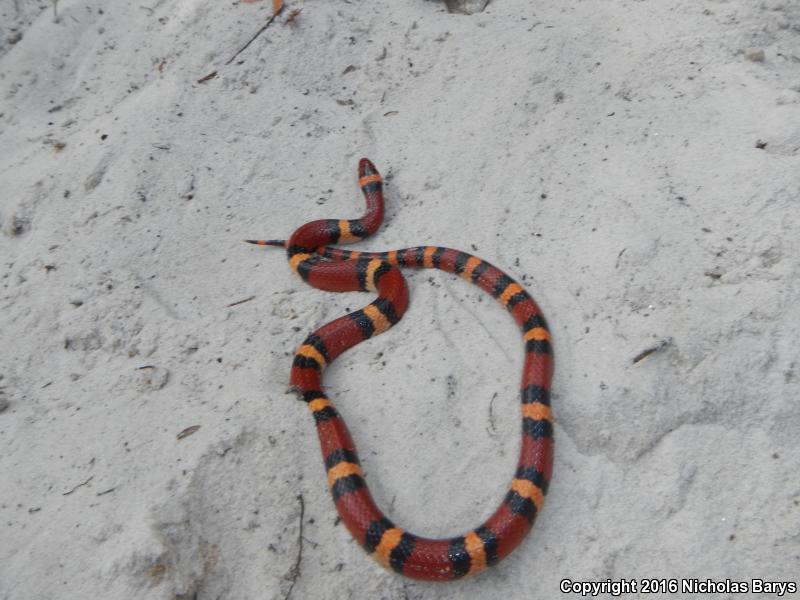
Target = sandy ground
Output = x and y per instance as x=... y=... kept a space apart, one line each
x=635 y=163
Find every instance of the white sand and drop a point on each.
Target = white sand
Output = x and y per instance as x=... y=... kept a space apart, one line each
x=603 y=152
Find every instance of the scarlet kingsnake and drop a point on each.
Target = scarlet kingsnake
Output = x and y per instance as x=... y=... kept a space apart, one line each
x=328 y=268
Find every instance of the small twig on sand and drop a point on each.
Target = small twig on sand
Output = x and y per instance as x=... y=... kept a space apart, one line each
x=292 y=16
x=647 y=352
x=55 y=11
x=492 y=430
x=258 y=33
x=208 y=77
x=294 y=573
x=621 y=252
x=77 y=486
x=188 y=431
x=238 y=302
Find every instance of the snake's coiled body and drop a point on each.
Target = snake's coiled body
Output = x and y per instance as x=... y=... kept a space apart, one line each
x=334 y=269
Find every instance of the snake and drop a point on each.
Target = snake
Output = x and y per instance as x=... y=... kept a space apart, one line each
x=313 y=255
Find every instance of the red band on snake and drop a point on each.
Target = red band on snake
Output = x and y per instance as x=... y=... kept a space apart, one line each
x=312 y=255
